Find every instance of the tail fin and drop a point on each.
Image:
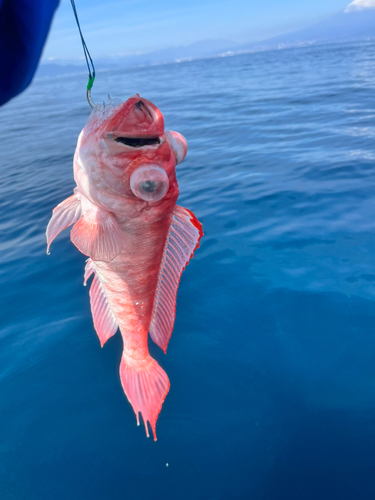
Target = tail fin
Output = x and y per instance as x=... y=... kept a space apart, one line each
x=146 y=386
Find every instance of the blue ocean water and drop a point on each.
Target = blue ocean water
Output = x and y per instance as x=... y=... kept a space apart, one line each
x=272 y=359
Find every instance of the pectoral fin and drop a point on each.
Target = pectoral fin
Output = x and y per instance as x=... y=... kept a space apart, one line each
x=63 y=216
x=98 y=235
x=182 y=240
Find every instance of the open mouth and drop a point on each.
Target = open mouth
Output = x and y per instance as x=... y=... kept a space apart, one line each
x=136 y=142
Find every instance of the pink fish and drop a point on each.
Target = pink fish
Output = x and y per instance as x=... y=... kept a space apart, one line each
x=137 y=239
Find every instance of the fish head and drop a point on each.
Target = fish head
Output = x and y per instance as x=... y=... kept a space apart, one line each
x=126 y=152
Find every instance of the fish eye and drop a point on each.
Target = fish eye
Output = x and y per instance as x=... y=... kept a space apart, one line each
x=149 y=182
x=149 y=186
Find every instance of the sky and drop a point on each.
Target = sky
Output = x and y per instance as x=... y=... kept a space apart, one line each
x=121 y=27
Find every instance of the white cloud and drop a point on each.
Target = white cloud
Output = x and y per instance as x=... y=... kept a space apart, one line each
x=360 y=5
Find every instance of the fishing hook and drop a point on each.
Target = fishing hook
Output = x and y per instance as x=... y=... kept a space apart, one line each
x=94 y=106
x=90 y=67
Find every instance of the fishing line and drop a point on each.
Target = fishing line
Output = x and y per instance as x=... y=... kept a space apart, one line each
x=89 y=62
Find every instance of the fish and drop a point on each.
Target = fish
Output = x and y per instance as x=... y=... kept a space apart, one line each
x=138 y=241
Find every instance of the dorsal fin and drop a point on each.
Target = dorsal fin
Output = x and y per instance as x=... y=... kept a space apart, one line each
x=183 y=239
x=104 y=320
x=63 y=216
x=98 y=235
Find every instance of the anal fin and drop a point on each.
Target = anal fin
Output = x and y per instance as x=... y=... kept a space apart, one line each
x=182 y=240
x=146 y=385
x=98 y=235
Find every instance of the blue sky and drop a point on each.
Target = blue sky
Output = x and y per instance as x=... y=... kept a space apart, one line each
x=113 y=27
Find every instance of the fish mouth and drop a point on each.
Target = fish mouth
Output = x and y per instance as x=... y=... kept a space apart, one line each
x=133 y=120
x=138 y=142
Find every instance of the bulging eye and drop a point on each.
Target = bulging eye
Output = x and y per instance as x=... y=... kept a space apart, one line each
x=178 y=144
x=149 y=182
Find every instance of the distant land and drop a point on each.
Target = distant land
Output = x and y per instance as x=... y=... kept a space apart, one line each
x=356 y=22
x=345 y=26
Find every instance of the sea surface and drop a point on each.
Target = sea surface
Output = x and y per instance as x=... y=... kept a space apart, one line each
x=272 y=358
